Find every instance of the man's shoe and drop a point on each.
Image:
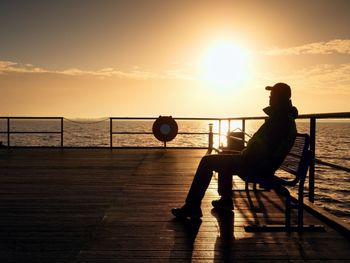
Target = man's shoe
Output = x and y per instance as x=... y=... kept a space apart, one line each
x=223 y=204
x=185 y=212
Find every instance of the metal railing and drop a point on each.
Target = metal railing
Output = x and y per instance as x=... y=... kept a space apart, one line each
x=312 y=131
x=112 y=132
x=10 y=131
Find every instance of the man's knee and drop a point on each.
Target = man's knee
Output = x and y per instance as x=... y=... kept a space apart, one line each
x=207 y=162
x=206 y=158
x=204 y=161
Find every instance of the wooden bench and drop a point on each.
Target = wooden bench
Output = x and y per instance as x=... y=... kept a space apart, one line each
x=295 y=165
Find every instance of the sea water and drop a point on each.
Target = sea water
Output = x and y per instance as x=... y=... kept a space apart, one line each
x=332 y=186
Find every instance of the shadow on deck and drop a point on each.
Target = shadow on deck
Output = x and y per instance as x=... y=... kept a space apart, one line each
x=101 y=205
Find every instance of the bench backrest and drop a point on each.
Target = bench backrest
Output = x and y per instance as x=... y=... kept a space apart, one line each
x=297 y=161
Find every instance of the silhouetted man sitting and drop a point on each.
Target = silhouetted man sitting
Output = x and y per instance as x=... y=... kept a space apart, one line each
x=263 y=155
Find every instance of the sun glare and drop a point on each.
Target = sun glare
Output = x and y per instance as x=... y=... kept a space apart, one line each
x=225 y=64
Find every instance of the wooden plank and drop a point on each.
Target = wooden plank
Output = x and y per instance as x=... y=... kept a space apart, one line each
x=102 y=205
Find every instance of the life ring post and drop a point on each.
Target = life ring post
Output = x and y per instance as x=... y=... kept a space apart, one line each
x=211 y=138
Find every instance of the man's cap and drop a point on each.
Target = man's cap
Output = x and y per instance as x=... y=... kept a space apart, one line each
x=280 y=89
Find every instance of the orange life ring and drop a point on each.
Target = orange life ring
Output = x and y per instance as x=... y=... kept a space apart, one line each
x=165 y=128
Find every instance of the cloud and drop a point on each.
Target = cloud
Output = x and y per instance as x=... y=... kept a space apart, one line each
x=180 y=73
x=110 y=72
x=323 y=79
x=336 y=46
x=135 y=73
x=6 y=64
x=10 y=66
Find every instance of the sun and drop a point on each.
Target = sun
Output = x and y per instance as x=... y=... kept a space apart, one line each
x=224 y=64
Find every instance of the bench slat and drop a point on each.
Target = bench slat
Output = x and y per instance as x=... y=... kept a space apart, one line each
x=294 y=162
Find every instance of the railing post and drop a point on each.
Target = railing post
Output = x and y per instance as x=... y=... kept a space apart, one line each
x=312 y=162
x=228 y=133
x=8 y=132
x=219 y=133
x=110 y=133
x=243 y=125
x=211 y=138
x=61 y=132
x=243 y=129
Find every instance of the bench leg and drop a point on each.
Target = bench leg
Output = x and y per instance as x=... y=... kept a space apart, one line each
x=301 y=205
x=287 y=227
x=288 y=210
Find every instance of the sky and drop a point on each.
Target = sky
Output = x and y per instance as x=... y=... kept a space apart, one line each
x=185 y=58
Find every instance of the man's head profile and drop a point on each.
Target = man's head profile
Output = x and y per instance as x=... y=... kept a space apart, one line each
x=280 y=93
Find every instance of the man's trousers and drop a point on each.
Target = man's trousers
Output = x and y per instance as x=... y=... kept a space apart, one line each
x=226 y=165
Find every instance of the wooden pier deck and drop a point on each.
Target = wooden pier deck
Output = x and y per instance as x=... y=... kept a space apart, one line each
x=102 y=205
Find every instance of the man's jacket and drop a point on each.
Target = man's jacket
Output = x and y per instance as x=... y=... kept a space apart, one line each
x=269 y=146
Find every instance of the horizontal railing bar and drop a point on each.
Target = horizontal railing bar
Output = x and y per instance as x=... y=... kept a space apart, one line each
x=301 y=116
x=338 y=115
x=33 y=118
x=195 y=133
x=176 y=118
x=244 y=118
x=133 y=118
x=189 y=119
x=135 y=133
x=188 y=133
x=336 y=166
x=114 y=147
x=33 y=132
x=335 y=115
